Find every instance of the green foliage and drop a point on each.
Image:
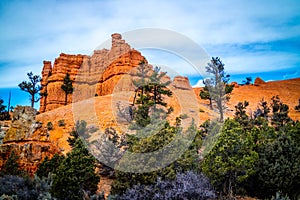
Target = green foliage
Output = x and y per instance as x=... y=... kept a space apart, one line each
x=67 y=87
x=61 y=123
x=262 y=111
x=232 y=159
x=11 y=166
x=241 y=115
x=253 y=156
x=204 y=94
x=149 y=93
x=154 y=142
x=248 y=81
x=75 y=176
x=280 y=112
x=32 y=87
x=278 y=165
x=217 y=85
x=49 y=166
x=49 y=126
x=4 y=115
x=297 y=108
x=79 y=130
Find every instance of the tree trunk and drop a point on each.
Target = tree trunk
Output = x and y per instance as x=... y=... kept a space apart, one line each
x=66 y=98
x=32 y=100
x=210 y=103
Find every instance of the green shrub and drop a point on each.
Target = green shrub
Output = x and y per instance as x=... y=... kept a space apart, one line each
x=49 y=126
x=75 y=175
x=61 y=123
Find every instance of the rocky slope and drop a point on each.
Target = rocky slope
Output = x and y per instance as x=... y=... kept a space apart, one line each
x=287 y=90
x=28 y=138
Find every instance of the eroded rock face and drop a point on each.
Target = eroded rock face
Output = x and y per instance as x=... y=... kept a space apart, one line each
x=23 y=124
x=92 y=75
x=181 y=82
x=28 y=139
x=258 y=81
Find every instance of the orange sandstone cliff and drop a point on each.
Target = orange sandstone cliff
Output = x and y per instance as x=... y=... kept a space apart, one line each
x=94 y=75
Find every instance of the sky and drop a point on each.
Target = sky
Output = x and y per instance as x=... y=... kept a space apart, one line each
x=252 y=38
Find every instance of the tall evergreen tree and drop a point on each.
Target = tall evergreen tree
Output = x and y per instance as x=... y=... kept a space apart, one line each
x=67 y=87
x=76 y=175
x=149 y=93
x=218 y=85
x=280 y=112
x=32 y=87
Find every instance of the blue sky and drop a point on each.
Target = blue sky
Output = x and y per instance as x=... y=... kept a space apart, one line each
x=258 y=37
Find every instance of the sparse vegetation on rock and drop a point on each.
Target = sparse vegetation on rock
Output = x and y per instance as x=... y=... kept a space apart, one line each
x=32 y=87
x=67 y=87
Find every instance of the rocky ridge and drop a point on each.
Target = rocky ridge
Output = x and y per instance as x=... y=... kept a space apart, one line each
x=28 y=138
x=92 y=75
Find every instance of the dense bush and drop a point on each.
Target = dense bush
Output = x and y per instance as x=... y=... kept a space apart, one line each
x=61 y=123
x=257 y=156
x=24 y=188
x=49 y=166
x=11 y=166
x=185 y=186
x=49 y=126
x=75 y=176
x=189 y=160
x=232 y=158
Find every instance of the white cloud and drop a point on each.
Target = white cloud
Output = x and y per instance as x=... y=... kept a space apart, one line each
x=40 y=30
x=199 y=84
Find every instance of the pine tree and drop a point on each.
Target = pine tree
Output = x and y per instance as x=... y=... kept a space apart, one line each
x=204 y=94
x=67 y=87
x=149 y=94
x=11 y=166
x=297 y=108
x=76 y=175
x=49 y=166
x=232 y=159
x=248 y=81
x=241 y=115
x=4 y=115
x=32 y=87
x=154 y=143
x=217 y=86
x=280 y=112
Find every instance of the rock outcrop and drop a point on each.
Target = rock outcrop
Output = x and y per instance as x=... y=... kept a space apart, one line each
x=181 y=82
x=92 y=75
x=258 y=81
x=28 y=139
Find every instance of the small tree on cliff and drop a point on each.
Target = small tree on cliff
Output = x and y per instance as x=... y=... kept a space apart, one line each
x=32 y=87
x=217 y=86
x=67 y=87
x=297 y=108
x=4 y=115
x=149 y=93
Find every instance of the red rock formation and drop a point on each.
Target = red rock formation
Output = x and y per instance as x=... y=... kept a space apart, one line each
x=28 y=139
x=258 y=81
x=182 y=82
x=96 y=74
